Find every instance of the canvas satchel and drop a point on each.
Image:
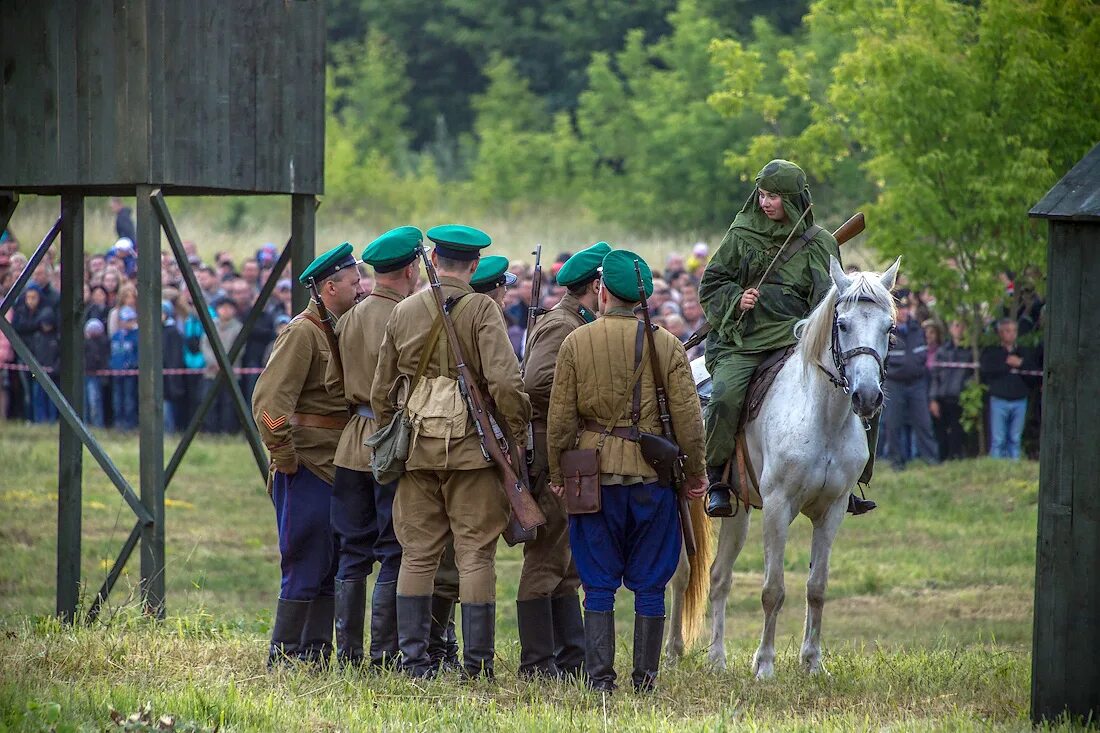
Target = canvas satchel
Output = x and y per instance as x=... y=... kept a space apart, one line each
x=436 y=407
x=391 y=444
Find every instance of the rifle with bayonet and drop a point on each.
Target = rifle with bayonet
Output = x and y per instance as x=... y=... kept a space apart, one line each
x=663 y=452
x=533 y=309
x=525 y=510
x=848 y=230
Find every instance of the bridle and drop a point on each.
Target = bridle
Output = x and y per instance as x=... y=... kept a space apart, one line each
x=841 y=358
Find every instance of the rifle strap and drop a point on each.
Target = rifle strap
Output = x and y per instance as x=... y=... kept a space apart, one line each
x=798 y=244
x=437 y=341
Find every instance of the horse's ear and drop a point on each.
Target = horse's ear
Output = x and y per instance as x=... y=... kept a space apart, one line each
x=840 y=279
x=891 y=275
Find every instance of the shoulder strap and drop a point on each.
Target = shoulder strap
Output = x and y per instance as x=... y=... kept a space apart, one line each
x=798 y=244
x=312 y=319
x=437 y=340
x=633 y=389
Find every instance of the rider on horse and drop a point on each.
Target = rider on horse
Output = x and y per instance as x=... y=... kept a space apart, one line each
x=774 y=236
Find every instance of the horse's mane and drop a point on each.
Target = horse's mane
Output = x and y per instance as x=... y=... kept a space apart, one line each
x=815 y=333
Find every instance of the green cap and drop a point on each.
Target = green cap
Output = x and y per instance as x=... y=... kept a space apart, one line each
x=584 y=266
x=458 y=242
x=331 y=262
x=619 y=276
x=394 y=249
x=491 y=273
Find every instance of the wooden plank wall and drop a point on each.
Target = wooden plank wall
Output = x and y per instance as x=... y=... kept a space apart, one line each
x=197 y=96
x=1067 y=579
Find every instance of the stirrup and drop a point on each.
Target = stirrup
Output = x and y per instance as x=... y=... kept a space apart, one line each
x=857 y=506
x=719 y=500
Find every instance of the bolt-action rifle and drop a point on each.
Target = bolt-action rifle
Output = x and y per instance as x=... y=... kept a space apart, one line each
x=665 y=455
x=533 y=309
x=525 y=510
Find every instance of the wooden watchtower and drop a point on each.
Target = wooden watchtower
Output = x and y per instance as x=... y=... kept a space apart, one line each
x=1065 y=675
x=152 y=98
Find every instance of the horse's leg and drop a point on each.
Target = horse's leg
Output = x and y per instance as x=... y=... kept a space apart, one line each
x=674 y=645
x=731 y=539
x=825 y=530
x=777 y=520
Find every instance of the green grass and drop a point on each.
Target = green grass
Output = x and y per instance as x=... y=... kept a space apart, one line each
x=927 y=625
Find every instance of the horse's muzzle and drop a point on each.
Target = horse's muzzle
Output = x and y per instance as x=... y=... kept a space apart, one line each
x=866 y=401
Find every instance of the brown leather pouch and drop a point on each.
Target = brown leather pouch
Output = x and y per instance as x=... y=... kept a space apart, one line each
x=581 y=471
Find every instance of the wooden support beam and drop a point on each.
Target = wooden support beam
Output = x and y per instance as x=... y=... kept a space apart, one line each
x=70 y=450
x=9 y=200
x=28 y=271
x=151 y=400
x=303 y=230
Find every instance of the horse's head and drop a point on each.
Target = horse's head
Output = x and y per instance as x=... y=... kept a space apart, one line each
x=862 y=321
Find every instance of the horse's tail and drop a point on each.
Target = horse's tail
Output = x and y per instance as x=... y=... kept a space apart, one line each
x=698 y=588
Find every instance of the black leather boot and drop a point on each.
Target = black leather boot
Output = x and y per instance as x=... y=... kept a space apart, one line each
x=317 y=633
x=286 y=632
x=351 y=611
x=536 y=638
x=648 y=633
x=719 y=502
x=479 y=628
x=442 y=640
x=599 y=650
x=383 y=625
x=857 y=506
x=414 y=620
x=568 y=635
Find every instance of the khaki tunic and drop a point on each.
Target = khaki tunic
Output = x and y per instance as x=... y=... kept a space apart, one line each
x=360 y=333
x=294 y=381
x=547 y=562
x=484 y=340
x=590 y=382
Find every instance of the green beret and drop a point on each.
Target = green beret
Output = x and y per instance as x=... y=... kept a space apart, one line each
x=328 y=264
x=491 y=273
x=394 y=249
x=584 y=266
x=458 y=242
x=620 y=278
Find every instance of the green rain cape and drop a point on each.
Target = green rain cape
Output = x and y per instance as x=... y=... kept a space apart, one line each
x=752 y=242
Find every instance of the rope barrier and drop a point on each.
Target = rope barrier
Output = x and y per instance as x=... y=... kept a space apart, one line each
x=12 y=367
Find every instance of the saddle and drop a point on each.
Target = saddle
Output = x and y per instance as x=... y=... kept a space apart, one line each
x=748 y=491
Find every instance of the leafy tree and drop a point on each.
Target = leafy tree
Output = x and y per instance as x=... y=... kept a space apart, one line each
x=969 y=114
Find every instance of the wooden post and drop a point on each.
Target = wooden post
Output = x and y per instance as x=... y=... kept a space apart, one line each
x=303 y=228
x=71 y=382
x=150 y=401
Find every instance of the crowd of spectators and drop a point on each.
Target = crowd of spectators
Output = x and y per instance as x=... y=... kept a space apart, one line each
x=930 y=364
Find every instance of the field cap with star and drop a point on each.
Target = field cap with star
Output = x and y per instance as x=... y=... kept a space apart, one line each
x=331 y=262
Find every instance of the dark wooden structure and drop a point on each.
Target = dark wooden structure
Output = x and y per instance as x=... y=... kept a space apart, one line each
x=149 y=98
x=1065 y=673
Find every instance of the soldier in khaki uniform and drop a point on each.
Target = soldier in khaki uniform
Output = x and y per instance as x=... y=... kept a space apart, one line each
x=635 y=538
x=301 y=423
x=449 y=487
x=493 y=279
x=548 y=610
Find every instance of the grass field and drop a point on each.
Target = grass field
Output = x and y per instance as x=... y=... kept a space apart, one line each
x=927 y=625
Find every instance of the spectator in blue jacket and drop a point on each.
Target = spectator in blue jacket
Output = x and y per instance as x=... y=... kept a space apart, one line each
x=124 y=355
x=906 y=391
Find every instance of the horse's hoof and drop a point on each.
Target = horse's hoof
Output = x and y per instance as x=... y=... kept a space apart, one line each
x=763 y=670
x=718 y=662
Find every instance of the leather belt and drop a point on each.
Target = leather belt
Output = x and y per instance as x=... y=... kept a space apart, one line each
x=363 y=411
x=306 y=420
x=626 y=433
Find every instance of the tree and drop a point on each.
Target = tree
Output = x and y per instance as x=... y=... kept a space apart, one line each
x=969 y=114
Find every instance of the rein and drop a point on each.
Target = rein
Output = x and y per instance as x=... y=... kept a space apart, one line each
x=841 y=358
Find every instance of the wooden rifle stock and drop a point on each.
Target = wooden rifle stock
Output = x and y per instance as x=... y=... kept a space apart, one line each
x=847 y=231
x=525 y=509
x=686 y=528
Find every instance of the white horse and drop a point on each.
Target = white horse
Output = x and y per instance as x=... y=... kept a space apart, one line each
x=808 y=447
